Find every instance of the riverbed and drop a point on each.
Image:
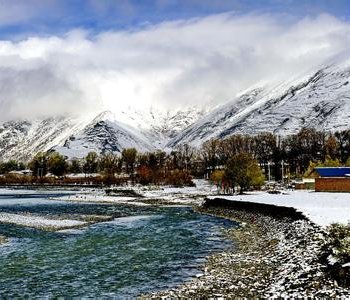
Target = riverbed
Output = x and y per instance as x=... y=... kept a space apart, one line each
x=142 y=249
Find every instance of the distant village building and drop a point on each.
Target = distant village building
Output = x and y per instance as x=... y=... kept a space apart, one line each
x=305 y=184
x=333 y=179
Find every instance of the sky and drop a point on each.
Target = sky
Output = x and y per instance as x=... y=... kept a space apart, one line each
x=74 y=56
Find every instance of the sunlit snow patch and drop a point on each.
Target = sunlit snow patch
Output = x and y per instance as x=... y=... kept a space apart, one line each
x=39 y=222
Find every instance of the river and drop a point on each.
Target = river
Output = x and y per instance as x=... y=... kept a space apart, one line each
x=143 y=249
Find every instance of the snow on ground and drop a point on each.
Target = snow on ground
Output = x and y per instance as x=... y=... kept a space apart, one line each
x=176 y=195
x=94 y=197
x=38 y=221
x=321 y=208
x=180 y=195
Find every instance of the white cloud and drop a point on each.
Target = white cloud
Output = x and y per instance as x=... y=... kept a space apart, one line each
x=193 y=62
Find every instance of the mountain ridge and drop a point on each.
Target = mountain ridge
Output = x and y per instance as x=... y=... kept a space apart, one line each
x=319 y=99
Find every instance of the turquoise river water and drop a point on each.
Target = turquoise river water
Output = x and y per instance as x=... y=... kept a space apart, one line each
x=143 y=249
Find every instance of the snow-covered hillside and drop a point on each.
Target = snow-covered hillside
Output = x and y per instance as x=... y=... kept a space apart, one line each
x=320 y=100
x=22 y=139
x=145 y=131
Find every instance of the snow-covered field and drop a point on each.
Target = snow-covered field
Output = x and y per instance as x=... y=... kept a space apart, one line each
x=321 y=208
x=38 y=221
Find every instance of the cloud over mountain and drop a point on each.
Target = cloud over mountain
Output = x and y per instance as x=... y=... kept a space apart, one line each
x=201 y=61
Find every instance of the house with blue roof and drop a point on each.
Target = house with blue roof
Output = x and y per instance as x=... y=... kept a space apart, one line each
x=332 y=179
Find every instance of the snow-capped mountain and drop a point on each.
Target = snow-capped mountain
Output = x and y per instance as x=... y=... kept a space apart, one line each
x=159 y=126
x=104 y=134
x=145 y=131
x=77 y=136
x=320 y=100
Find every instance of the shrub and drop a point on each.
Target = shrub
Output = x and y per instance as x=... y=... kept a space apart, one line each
x=144 y=175
x=243 y=170
x=217 y=176
x=337 y=252
x=179 y=178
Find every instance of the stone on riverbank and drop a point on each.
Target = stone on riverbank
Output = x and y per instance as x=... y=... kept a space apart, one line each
x=3 y=239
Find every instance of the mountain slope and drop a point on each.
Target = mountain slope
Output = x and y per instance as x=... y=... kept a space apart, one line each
x=157 y=125
x=322 y=100
x=22 y=139
x=101 y=135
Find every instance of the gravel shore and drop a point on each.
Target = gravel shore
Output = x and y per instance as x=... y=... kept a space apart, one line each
x=277 y=256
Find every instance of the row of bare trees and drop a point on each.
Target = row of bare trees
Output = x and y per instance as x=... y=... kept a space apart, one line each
x=295 y=151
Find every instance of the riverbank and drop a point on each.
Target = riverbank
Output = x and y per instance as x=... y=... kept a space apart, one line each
x=278 y=256
x=322 y=209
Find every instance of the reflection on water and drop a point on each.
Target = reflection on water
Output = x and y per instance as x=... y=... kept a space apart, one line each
x=143 y=249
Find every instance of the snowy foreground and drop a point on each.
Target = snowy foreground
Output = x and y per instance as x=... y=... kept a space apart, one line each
x=321 y=208
x=277 y=257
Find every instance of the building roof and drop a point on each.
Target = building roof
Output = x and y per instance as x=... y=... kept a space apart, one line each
x=333 y=171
